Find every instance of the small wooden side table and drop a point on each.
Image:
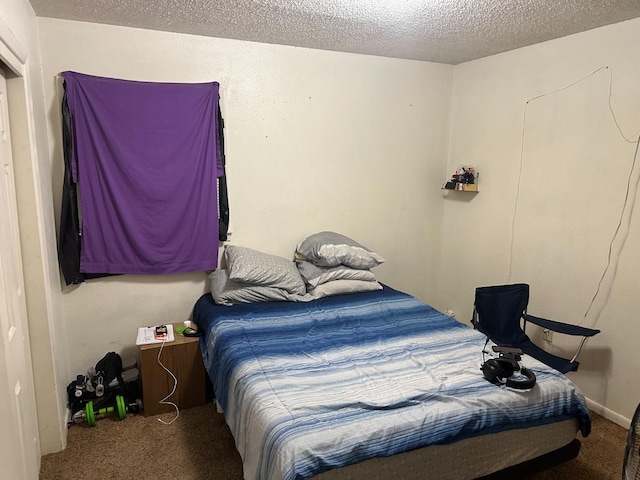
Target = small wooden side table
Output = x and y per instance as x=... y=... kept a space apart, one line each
x=183 y=358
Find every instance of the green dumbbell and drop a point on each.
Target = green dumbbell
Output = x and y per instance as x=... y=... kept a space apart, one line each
x=91 y=414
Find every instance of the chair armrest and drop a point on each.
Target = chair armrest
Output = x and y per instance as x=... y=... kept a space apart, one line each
x=560 y=327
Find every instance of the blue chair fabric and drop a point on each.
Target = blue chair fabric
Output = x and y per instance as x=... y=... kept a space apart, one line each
x=498 y=313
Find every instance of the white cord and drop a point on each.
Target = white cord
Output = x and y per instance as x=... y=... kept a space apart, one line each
x=175 y=386
x=618 y=240
x=524 y=123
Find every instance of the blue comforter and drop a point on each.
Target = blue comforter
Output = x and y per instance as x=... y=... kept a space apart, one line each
x=306 y=387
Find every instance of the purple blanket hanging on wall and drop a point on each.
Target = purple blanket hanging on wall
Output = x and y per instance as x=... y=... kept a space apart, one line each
x=146 y=157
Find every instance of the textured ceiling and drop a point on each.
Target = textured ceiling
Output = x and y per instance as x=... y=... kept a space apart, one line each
x=445 y=31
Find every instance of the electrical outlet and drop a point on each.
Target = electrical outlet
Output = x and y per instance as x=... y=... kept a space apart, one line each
x=547 y=335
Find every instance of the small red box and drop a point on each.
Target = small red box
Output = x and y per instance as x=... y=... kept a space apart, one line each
x=161 y=332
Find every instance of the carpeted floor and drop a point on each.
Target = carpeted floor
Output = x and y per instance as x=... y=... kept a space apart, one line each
x=199 y=446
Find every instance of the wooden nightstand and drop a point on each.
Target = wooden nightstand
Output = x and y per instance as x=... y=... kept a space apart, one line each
x=183 y=358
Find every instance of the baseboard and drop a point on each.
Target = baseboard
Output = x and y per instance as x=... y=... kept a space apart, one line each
x=608 y=414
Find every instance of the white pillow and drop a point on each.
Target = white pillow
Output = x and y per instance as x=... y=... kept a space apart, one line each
x=338 y=287
x=257 y=268
x=329 y=249
x=314 y=275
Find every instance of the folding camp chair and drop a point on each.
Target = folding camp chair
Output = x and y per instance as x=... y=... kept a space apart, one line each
x=497 y=312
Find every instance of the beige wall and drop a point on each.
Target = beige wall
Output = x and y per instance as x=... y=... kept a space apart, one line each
x=568 y=179
x=314 y=140
x=37 y=228
x=324 y=140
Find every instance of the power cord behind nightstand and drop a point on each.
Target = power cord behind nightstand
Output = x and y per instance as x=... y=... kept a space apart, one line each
x=175 y=386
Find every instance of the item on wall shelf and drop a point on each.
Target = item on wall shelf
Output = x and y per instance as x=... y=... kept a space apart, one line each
x=464 y=180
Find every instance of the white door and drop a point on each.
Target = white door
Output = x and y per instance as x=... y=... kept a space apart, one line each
x=19 y=442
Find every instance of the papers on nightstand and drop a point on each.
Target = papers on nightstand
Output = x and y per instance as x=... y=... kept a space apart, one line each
x=147 y=335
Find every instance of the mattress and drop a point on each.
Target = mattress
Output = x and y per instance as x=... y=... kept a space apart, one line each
x=312 y=387
x=467 y=459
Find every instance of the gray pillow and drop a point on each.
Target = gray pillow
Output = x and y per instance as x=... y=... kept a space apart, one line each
x=338 y=287
x=257 y=268
x=329 y=249
x=227 y=292
x=314 y=275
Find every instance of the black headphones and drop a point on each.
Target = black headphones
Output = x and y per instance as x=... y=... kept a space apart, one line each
x=500 y=370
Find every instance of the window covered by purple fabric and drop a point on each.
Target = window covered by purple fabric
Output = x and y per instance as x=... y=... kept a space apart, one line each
x=146 y=157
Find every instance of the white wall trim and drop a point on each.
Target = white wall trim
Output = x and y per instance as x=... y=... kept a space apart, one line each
x=608 y=414
x=52 y=424
x=11 y=51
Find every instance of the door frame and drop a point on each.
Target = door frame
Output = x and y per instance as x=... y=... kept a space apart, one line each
x=29 y=122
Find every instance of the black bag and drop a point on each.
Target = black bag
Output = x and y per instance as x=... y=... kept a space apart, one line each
x=109 y=368
x=95 y=387
x=78 y=395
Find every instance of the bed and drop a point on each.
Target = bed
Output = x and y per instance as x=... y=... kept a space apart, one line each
x=374 y=385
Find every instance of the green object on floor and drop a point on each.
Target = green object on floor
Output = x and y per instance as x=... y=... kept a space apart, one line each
x=92 y=415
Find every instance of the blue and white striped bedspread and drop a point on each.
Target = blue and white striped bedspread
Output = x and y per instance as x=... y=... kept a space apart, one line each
x=306 y=387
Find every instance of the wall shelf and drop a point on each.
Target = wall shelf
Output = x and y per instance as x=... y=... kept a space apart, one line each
x=462 y=187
